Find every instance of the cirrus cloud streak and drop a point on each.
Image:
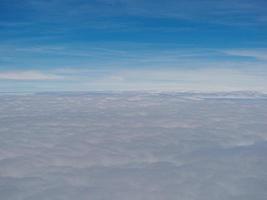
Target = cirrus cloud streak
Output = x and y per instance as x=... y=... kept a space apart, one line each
x=28 y=76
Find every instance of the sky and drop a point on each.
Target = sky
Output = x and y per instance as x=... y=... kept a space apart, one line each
x=117 y=45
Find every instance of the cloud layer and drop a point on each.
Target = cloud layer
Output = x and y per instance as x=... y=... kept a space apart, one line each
x=133 y=146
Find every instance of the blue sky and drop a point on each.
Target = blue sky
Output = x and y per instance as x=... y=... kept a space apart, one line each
x=174 y=45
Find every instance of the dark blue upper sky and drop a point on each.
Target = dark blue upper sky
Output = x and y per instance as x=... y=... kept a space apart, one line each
x=133 y=44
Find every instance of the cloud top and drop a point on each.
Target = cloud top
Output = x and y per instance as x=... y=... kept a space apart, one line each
x=134 y=146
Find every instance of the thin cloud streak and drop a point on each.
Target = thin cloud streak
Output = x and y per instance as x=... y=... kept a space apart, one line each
x=28 y=76
x=259 y=54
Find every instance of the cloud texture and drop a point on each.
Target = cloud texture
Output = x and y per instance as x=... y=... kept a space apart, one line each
x=133 y=146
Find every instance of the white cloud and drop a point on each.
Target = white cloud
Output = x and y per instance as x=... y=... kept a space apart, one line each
x=259 y=54
x=169 y=79
x=28 y=76
x=207 y=79
x=132 y=146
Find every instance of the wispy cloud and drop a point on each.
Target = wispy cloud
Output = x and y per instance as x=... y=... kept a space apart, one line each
x=181 y=80
x=28 y=76
x=144 y=68
x=259 y=54
x=157 y=79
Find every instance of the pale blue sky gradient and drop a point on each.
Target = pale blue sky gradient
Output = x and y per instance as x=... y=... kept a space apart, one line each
x=133 y=45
